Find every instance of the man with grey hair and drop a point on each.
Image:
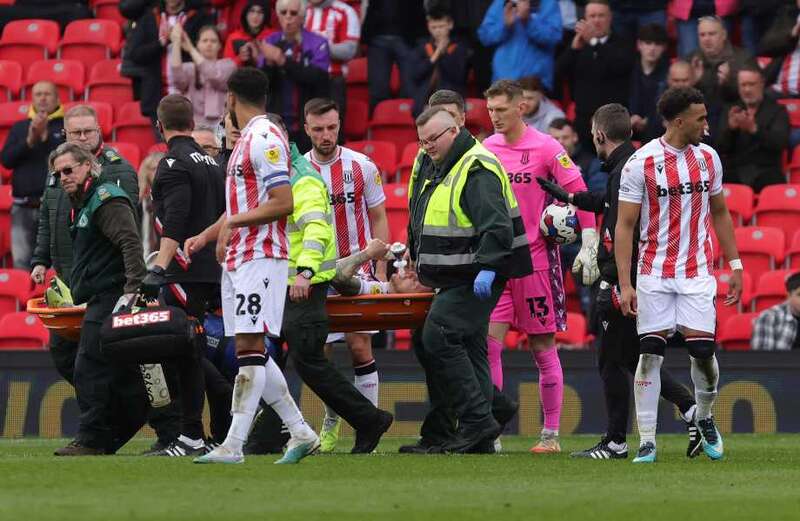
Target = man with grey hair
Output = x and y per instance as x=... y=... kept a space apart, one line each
x=108 y=269
x=296 y=61
x=208 y=140
x=465 y=239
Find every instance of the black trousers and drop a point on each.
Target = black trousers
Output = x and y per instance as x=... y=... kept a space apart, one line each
x=618 y=357
x=189 y=370
x=219 y=392
x=451 y=347
x=305 y=327
x=97 y=380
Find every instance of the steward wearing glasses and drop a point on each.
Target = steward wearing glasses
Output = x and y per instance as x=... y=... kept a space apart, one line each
x=188 y=197
x=107 y=270
x=466 y=239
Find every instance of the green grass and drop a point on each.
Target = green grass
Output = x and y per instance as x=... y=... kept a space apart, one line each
x=759 y=479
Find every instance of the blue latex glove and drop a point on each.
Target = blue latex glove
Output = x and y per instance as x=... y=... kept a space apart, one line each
x=483 y=284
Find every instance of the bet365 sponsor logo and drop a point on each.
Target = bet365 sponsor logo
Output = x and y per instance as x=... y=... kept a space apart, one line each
x=683 y=189
x=140 y=319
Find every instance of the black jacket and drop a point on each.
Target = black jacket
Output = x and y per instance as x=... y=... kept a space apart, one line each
x=606 y=203
x=645 y=91
x=755 y=159
x=405 y=18
x=29 y=165
x=450 y=71
x=597 y=75
x=143 y=54
x=188 y=196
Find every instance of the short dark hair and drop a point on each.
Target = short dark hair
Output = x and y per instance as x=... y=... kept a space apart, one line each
x=653 y=33
x=249 y=85
x=510 y=88
x=428 y=114
x=614 y=121
x=531 y=83
x=320 y=106
x=793 y=282
x=751 y=67
x=437 y=9
x=675 y=100
x=175 y=112
x=447 y=97
x=601 y=2
x=560 y=123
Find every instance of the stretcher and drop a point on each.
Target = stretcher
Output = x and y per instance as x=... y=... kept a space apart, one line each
x=346 y=314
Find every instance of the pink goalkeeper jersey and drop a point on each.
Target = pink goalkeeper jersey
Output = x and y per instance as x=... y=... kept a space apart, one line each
x=537 y=155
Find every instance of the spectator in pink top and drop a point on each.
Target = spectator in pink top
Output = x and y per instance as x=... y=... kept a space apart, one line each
x=204 y=79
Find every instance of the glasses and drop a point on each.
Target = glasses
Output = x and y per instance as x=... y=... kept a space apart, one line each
x=425 y=143
x=67 y=170
x=211 y=149
x=288 y=12
x=75 y=134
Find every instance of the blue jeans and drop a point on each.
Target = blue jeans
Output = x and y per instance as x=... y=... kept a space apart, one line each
x=382 y=53
x=687 y=35
x=627 y=23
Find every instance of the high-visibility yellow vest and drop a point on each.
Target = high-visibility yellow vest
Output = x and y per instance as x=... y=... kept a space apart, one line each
x=309 y=226
x=449 y=239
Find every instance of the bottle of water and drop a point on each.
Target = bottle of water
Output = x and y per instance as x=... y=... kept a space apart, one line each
x=155 y=384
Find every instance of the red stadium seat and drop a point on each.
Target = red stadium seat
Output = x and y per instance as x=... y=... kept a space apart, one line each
x=23 y=330
x=158 y=147
x=736 y=332
x=761 y=248
x=90 y=41
x=407 y=162
x=356 y=120
x=132 y=127
x=793 y=108
x=107 y=84
x=15 y=289
x=724 y=312
x=382 y=153
x=770 y=290
x=10 y=113
x=5 y=219
x=397 y=210
x=27 y=41
x=402 y=339
x=392 y=121
x=793 y=253
x=10 y=78
x=779 y=206
x=105 y=114
x=739 y=199
x=356 y=80
x=109 y=10
x=477 y=116
x=576 y=331
x=68 y=75
x=129 y=151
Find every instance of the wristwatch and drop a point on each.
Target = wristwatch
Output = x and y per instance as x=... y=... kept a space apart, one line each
x=306 y=273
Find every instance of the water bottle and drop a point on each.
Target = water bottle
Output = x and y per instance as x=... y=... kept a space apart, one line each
x=155 y=384
x=398 y=249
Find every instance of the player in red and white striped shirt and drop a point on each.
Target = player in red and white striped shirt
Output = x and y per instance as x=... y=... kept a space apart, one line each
x=253 y=246
x=359 y=214
x=674 y=184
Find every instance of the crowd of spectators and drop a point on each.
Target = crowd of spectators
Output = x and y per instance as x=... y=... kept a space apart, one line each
x=571 y=57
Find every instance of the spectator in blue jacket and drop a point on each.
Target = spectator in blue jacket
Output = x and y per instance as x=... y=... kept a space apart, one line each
x=525 y=40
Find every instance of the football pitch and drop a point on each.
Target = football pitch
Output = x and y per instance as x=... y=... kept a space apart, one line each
x=758 y=479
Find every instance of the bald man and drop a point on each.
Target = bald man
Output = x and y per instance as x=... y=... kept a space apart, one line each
x=25 y=152
x=466 y=239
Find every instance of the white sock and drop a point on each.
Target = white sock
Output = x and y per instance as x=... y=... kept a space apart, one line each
x=366 y=381
x=246 y=393
x=705 y=376
x=276 y=394
x=195 y=444
x=646 y=391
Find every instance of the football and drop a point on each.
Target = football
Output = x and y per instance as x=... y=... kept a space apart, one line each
x=559 y=224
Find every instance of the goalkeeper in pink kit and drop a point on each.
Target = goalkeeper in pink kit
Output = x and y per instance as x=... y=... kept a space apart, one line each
x=536 y=304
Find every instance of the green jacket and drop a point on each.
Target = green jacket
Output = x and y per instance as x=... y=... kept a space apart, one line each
x=53 y=241
x=106 y=244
